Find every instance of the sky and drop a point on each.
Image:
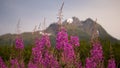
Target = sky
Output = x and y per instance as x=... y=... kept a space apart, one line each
x=32 y=12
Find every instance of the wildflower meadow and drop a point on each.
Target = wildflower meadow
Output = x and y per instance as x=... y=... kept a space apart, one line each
x=67 y=53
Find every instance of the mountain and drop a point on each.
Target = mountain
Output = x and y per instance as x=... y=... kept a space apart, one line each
x=83 y=29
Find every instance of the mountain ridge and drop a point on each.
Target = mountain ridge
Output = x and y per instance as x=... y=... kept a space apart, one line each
x=83 y=29
x=85 y=26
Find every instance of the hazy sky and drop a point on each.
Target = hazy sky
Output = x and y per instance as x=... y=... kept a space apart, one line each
x=32 y=12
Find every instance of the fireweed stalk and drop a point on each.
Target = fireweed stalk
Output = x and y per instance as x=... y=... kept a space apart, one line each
x=97 y=52
x=96 y=56
x=17 y=60
x=66 y=48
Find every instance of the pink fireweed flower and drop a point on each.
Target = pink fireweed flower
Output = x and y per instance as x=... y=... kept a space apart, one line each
x=43 y=41
x=90 y=63
x=2 y=64
x=97 y=52
x=36 y=51
x=62 y=37
x=111 y=63
x=39 y=47
x=49 y=61
x=37 y=55
x=39 y=44
x=68 y=53
x=41 y=56
x=19 y=43
x=74 y=40
x=96 y=56
x=46 y=40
